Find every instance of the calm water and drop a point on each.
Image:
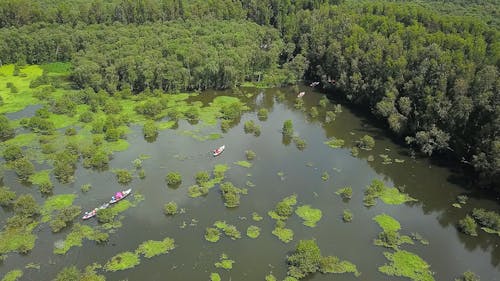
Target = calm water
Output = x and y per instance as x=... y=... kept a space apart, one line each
x=449 y=252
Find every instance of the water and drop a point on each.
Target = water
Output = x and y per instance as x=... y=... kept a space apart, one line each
x=449 y=253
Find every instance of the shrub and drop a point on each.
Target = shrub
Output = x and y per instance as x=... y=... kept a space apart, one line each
x=314 y=112
x=23 y=168
x=347 y=216
x=366 y=142
x=468 y=226
x=6 y=196
x=6 y=131
x=202 y=177
x=173 y=178
x=262 y=114
x=123 y=176
x=26 y=206
x=150 y=130
x=105 y=215
x=250 y=154
x=98 y=160
x=305 y=260
x=142 y=174
x=170 y=208
x=13 y=152
x=46 y=186
x=288 y=128
x=225 y=125
x=300 y=143
x=70 y=131
x=345 y=192
x=86 y=187
x=86 y=117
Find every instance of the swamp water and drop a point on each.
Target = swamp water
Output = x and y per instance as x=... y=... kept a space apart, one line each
x=279 y=170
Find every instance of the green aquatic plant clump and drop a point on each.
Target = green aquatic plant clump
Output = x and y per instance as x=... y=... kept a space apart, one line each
x=13 y=275
x=54 y=203
x=229 y=230
x=212 y=234
x=253 y=231
x=215 y=277
x=387 y=223
x=256 y=216
x=77 y=234
x=173 y=178
x=245 y=164
x=335 y=143
x=284 y=208
x=170 y=208
x=392 y=196
x=122 y=261
x=224 y=262
x=153 y=248
x=406 y=264
x=347 y=215
x=345 y=192
x=310 y=215
x=283 y=234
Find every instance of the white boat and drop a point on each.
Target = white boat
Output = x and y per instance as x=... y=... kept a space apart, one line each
x=219 y=150
x=301 y=94
x=120 y=195
x=92 y=213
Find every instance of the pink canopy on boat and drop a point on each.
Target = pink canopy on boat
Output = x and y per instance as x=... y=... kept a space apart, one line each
x=118 y=195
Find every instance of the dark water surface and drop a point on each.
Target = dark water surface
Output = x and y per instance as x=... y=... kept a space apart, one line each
x=449 y=253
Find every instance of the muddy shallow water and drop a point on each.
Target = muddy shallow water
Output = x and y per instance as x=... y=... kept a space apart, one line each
x=449 y=253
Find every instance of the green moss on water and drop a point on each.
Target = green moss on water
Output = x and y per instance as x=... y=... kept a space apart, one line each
x=310 y=215
x=406 y=264
x=389 y=195
x=284 y=234
x=393 y=196
x=387 y=223
x=256 y=216
x=40 y=177
x=335 y=143
x=215 y=277
x=153 y=248
x=76 y=236
x=122 y=261
x=253 y=231
x=56 y=202
x=224 y=262
x=115 y=146
x=13 y=275
x=245 y=164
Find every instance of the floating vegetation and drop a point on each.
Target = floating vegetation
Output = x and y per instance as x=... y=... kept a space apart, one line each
x=468 y=276
x=197 y=191
x=256 y=216
x=54 y=203
x=215 y=277
x=387 y=223
x=250 y=155
x=253 y=231
x=251 y=128
x=335 y=143
x=392 y=196
x=13 y=275
x=32 y=266
x=468 y=226
x=123 y=176
x=250 y=184
x=212 y=234
x=153 y=248
x=307 y=259
x=284 y=208
x=284 y=234
x=354 y=151
x=42 y=179
x=224 y=262
x=417 y=237
x=287 y=128
x=325 y=176
x=231 y=194
x=390 y=237
x=170 y=208
x=205 y=185
x=345 y=192
x=385 y=159
x=489 y=220
x=245 y=164
x=122 y=261
x=85 y=187
x=330 y=116
x=406 y=264
x=366 y=142
x=462 y=199
x=399 y=160
x=77 y=234
x=310 y=215
x=173 y=178
x=457 y=205
x=347 y=215
x=262 y=114
x=270 y=277
x=299 y=143
x=229 y=230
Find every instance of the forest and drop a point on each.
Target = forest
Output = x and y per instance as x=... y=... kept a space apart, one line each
x=431 y=75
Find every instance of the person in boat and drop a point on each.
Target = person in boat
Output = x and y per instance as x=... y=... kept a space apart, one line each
x=118 y=195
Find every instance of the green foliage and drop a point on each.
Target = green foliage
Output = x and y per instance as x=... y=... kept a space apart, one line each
x=488 y=219
x=347 y=215
x=251 y=128
x=25 y=205
x=56 y=203
x=387 y=223
x=122 y=261
x=299 y=143
x=305 y=260
x=468 y=226
x=105 y=215
x=153 y=248
x=250 y=155
x=170 y=208
x=262 y=114
x=6 y=130
x=12 y=152
x=123 y=176
x=332 y=264
x=253 y=231
x=345 y=192
x=65 y=216
x=335 y=143
x=366 y=142
x=388 y=195
x=86 y=187
x=73 y=274
x=406 y=264
x=77 y=234
x=150 y=130
x=202 y=177
x=173 y=178
x=310 y=215
x=270 y=277
x=256 y=217
x=284 y=234
x=224 y=262
x=6 y=196
x=23 y=168
x=231 y=194
x=98 y=159
x=229 y=230
x=468 y=276
x=215 y=277
x=212 y=234
x=287 y=128
x=13 y=275
x=245 y=164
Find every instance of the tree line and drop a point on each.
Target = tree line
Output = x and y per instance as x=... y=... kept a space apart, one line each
x=434 y=78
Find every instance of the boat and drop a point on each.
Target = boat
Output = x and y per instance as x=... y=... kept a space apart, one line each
x=120 y=195
x=301 y=94
x=219 y=150
x=92 y=213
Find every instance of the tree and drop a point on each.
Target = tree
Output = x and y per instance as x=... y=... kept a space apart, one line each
x=6 y=131
x=150 y=130
x=105 y=215
x=123 y=176
x=26 y=205
x=305 y=260
x=468 y=226
x=6 y=196
x=12 y=152
x=24 y=168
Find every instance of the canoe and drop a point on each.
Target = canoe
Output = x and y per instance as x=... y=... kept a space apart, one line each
x=125 y=193
x=92 y=213
x=301 y=94
x=219 y=150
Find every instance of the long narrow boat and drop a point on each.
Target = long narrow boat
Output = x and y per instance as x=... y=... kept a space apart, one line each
x=219 y=150
x=120 y=195
x=92 y=213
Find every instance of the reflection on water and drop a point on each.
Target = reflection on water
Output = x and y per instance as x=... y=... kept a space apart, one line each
x=279 y=170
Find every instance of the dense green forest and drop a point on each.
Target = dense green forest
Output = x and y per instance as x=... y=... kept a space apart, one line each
x=431 y=74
